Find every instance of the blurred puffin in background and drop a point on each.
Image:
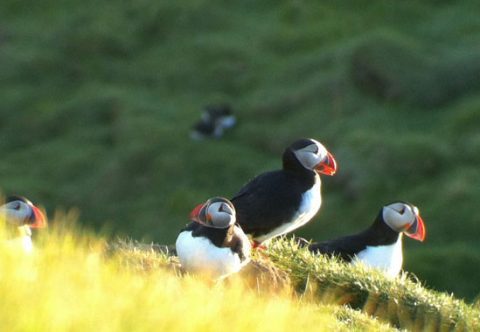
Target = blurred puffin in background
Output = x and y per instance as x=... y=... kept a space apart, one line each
x=212 y=244
x=19 y=216
x=380 y=245
x=214 y=121
x=278 y=202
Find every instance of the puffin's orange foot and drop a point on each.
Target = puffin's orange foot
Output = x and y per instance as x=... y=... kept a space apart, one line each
x=258 y=245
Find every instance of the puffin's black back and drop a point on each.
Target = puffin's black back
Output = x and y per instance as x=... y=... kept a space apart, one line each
x=347 y=247
x=270 y=200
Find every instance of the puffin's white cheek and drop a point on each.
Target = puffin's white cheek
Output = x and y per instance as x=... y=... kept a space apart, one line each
x=222 y=220
x=307 y=159
x=395 y=220
x=389 y=216
x=313 y=161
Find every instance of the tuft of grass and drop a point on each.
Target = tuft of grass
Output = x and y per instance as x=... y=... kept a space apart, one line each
x=401 y=301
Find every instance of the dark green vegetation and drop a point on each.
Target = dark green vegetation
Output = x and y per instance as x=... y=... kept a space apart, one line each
x=96 y=102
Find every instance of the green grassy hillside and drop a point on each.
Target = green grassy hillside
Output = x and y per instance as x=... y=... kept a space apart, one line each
x=97 y=99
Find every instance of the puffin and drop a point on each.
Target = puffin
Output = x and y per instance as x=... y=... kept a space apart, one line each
x=20 y=216
x=380 y=245
x=213 y=244
x=214 y=121
x=277 y=202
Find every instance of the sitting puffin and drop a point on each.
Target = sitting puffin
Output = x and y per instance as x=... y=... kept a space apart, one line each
x=278 y=202
x=380 y=245
x=20 y=215
x=213 y=244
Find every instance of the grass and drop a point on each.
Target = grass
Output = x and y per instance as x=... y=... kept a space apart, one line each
x=96 y=104
x=76 y=281
x=403 y=301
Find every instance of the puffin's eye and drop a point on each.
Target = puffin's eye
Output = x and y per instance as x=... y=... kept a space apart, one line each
x=16 y=206
x=402 y=210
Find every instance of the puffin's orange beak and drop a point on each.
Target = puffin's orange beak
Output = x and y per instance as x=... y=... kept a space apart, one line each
x=40 y=220
x=328 y=166
x=198 y=214
x=417 y=229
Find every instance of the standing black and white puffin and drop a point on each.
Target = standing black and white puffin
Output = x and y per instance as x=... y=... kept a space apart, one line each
x=380 y=245
x=20 y=215
x=278 y=202
x=213 y=244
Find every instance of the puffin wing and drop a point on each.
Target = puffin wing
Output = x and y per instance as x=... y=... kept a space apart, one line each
x=344 y=248
x=266 y=202
x=242 y=244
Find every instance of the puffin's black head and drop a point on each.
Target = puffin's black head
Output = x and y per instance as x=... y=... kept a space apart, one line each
x=309 y=154
x=17 y=198
x=404 y=217
x=217 y=212
x=19 y=211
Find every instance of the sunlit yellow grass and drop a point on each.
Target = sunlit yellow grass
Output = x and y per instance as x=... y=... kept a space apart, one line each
x=73 y=282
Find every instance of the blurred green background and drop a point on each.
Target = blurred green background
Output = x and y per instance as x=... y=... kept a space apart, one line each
x=97 y=99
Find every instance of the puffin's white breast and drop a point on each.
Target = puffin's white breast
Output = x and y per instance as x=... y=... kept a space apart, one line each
x=23 y=243
x=200 y=255
x=388 y=258
x=309 y=206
